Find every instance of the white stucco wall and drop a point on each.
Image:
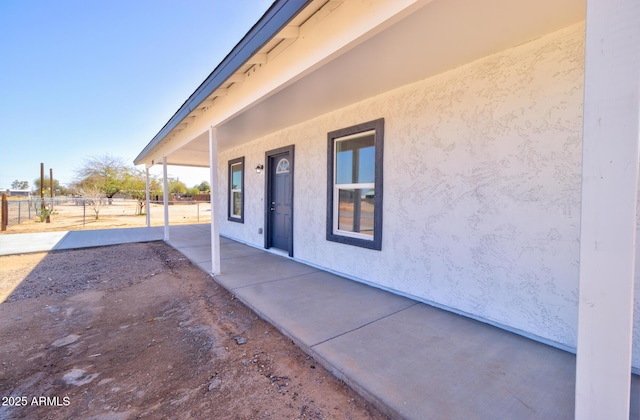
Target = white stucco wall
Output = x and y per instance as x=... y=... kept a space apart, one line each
x=482 y=173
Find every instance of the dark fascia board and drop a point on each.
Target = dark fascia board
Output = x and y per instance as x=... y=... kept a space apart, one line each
x=275 y=18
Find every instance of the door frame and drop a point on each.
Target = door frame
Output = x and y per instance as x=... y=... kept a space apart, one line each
x=268 y=193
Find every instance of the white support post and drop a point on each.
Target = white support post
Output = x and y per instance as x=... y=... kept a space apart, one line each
x=148 y=203
x=165 y=197
x=215 y=209
x=610 y=163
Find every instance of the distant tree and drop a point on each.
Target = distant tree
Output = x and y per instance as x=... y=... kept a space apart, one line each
x=107 y=173
x=203 y=186
x=176 y=186
x=58 y=189
x=193 y=191
x=20 y=185
x=62 y=190
x=135 y=186
x=93 y=195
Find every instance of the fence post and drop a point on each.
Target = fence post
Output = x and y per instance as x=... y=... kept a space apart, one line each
x=19 y=210
x=5 y=212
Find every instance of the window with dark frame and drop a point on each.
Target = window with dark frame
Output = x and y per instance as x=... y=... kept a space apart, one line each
x=354 y=188
x=236 y=190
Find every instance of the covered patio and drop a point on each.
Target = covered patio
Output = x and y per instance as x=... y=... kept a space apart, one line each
x=289 y=57
x=413 y=360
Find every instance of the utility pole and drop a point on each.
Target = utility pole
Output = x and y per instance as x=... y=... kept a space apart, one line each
x=5 y=213
x=41 y=187
x=51 y=185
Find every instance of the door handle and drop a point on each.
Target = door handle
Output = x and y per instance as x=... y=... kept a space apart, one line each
x=272 y=209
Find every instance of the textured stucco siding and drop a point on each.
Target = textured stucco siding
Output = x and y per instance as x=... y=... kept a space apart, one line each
x=482 y=181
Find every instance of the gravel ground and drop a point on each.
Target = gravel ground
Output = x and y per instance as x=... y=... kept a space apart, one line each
x=137 y=331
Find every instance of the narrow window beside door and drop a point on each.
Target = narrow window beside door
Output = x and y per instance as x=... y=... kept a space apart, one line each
x=236 y=190
x=354 y=193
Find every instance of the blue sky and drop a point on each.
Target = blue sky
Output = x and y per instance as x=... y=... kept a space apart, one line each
x=83 y=78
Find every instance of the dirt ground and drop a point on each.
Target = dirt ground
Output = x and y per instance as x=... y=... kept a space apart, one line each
x=120 y=214
x=137 y=331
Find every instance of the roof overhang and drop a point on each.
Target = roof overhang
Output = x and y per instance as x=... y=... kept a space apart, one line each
x=333 y=54
x=229 y=71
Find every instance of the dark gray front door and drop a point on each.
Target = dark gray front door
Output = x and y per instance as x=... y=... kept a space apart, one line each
x=280 y=204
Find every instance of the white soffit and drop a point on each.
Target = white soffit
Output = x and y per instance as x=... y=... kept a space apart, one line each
x=442 y=35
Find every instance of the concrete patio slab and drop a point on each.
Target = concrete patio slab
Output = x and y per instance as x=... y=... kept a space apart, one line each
x=56 y=241
x=190 y=235
x=26 y=243
x=103 y=237
x=316 y=307
x=237 y=250
x=259 y=268
x=445 y=366
x=189 y=240
x=197 y=254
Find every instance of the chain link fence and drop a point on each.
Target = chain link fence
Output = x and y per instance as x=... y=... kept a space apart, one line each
x=74 y=212
x=19 y=211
